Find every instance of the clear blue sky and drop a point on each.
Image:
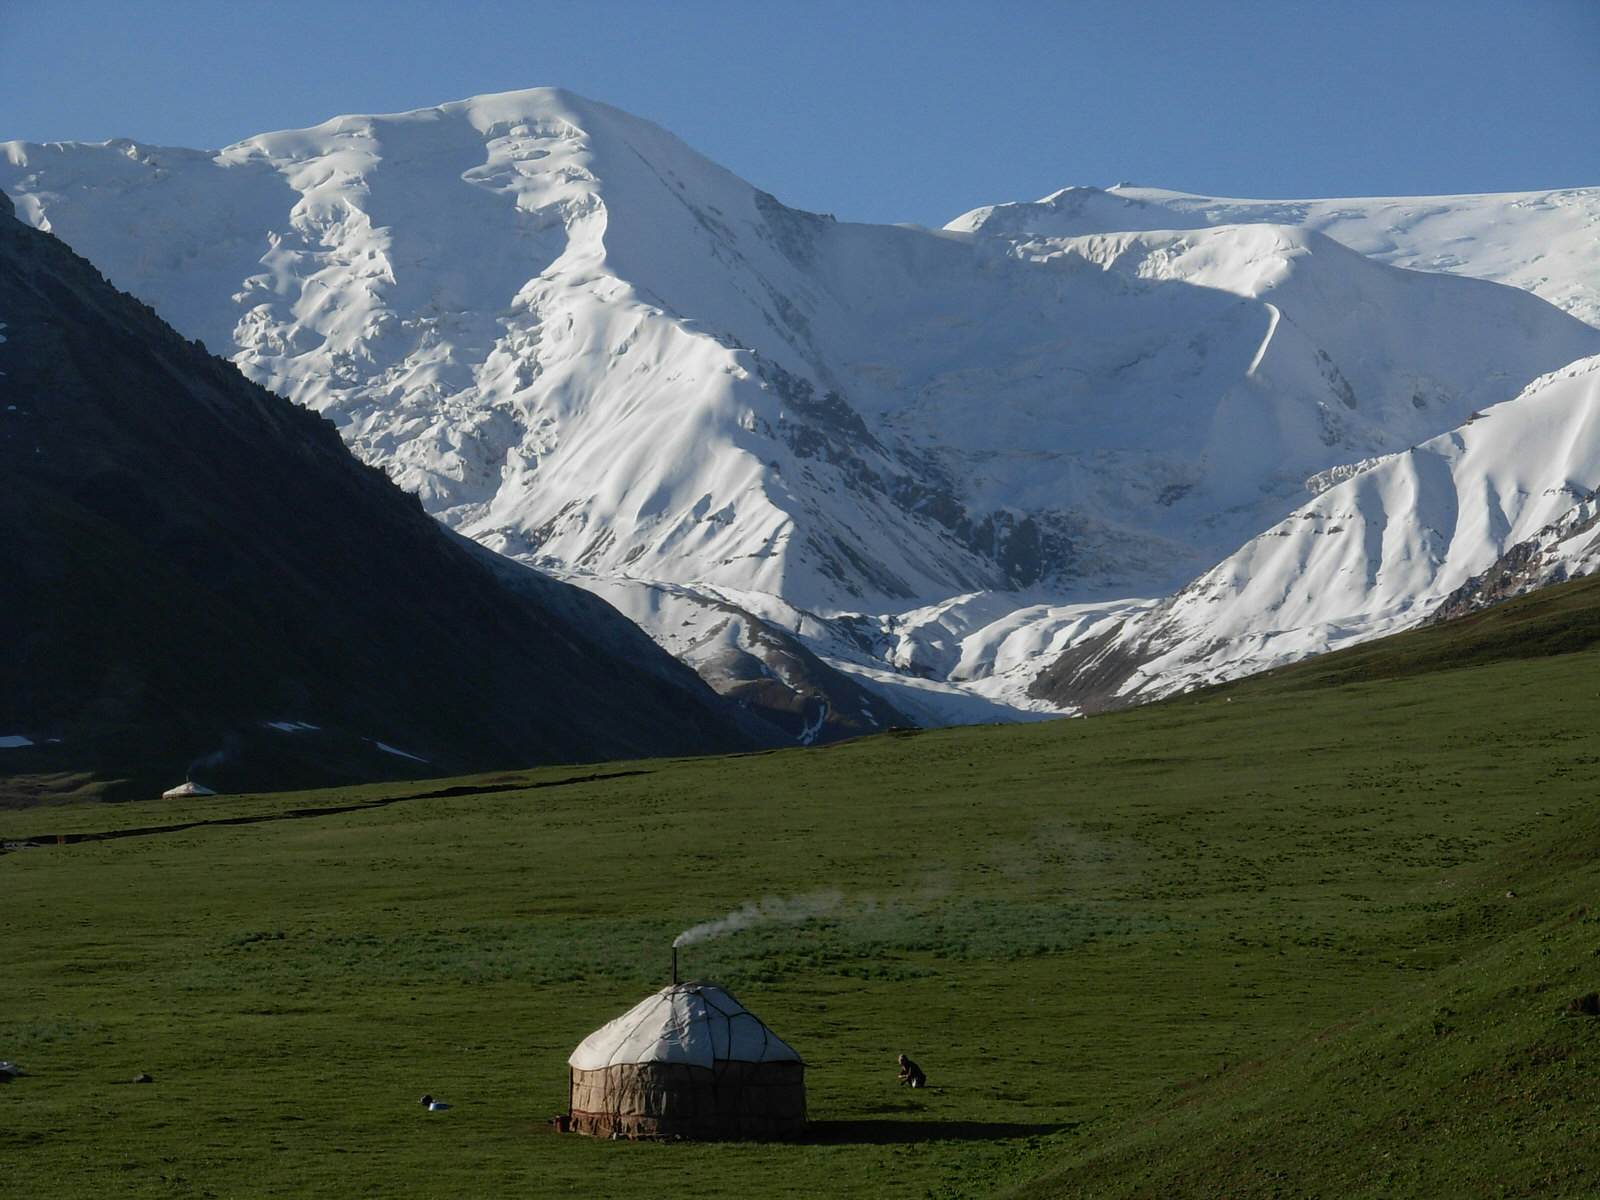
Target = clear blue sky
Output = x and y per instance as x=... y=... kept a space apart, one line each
x=881 y=111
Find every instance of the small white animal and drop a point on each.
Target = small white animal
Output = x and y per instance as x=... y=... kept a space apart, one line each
x=432 y=1105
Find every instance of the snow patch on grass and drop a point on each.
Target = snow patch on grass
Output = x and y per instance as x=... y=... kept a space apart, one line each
x=397 y=752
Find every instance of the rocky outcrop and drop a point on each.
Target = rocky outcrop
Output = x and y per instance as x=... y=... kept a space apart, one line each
x=1565 y=549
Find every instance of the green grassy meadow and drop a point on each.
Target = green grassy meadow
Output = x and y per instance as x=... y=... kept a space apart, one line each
x=1313 y=934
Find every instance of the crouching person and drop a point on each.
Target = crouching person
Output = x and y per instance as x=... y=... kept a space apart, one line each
x=910 y=1074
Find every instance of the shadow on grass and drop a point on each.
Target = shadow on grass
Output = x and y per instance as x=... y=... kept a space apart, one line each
x=882 y=1132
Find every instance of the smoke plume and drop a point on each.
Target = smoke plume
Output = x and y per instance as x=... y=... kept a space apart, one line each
x=207 y=763
x=774 y=910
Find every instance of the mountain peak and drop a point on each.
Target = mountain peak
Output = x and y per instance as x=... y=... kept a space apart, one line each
x=586 y=346
x=1072 y=212
x=484 y=112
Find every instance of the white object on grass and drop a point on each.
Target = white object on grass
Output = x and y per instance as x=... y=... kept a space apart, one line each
x=187 y=789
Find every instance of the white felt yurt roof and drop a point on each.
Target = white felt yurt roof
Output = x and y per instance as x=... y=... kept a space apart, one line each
x=187 y=789
x=694 y=1023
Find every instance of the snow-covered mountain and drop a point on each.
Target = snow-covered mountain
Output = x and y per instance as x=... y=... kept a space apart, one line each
x=1567 y=548
x=1547 y=243
x=930 y=460
x=199 y=575
x=1502 y=503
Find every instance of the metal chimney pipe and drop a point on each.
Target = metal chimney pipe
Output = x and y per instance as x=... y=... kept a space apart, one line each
x=674 y=966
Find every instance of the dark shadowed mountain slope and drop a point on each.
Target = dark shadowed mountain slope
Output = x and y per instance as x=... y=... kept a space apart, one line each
x=197 y=572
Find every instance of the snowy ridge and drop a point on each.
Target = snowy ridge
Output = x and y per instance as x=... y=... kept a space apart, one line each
x=1375 y=554
x=1547 y=242
x=802 y=452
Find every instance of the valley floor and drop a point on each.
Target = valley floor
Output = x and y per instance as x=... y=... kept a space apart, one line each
x=1309 y=935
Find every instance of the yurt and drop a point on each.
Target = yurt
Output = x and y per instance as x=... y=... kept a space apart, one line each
x=187 y=789
x=689 y=1061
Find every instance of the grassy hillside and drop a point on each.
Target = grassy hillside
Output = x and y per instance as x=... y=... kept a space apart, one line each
x=1299 y=937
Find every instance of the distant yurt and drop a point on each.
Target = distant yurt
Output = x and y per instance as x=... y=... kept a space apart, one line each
x=689 y=1061
x=187 y=789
